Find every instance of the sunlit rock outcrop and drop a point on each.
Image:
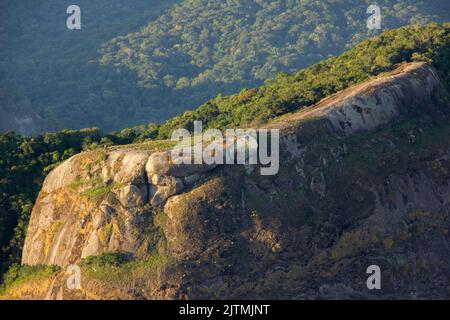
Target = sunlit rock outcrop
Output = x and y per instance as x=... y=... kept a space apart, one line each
x=364 y=179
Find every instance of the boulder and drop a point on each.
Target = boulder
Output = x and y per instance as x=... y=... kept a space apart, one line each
x=132 y=196
x=164 y=187
x=161 y=163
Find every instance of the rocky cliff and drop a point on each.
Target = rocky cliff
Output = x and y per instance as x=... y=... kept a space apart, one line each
x=364 y=180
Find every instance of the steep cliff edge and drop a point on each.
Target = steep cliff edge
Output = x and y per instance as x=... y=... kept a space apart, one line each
x=364 y=179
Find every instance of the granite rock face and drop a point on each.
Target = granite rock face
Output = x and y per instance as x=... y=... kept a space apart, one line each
x=377 y=102
x=161 y=164
x=95 y=202
x=88 y=205
x=354 y=189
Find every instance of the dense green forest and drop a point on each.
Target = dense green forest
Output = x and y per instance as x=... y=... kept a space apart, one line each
x=228 y=42
x=24 y=161
x=57 y=69
x=144 y=61
x=287 y=93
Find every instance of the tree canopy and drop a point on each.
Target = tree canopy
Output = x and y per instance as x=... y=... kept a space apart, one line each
x=143 y=61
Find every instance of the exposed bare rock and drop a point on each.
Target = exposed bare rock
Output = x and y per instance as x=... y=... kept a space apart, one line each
x=132 y=196
x=191 y=179
x=379 y=102
x=93 y=245
x=375 y=103
x=162 y=188
x=63 y=175
x=90 y=204
x=161 y=164
x=127 y=166
x=341 y=201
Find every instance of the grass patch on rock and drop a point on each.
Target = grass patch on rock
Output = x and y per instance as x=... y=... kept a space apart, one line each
x=118 y=267
x=18 y=275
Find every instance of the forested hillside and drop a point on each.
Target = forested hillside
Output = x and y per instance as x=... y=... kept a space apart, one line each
x=57 y=69
x=144 y=61
x=226 y=42
x=287 y=93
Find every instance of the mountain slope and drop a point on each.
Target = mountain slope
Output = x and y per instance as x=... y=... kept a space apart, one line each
x=287 y=93
x=364 y=179
x=200 y=48
x=160 y=58
x=397 y=169
x=56 y=69
x=250 y=41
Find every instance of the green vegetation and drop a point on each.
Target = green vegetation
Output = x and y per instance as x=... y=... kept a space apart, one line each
x=24 y=161
x=288 y=93
x=100 y=191
x=120 y=266
x=106 y=260
x=409 y=141
x=55 y=70
x=148 y=60
x=200 y=48
x=18 y=274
